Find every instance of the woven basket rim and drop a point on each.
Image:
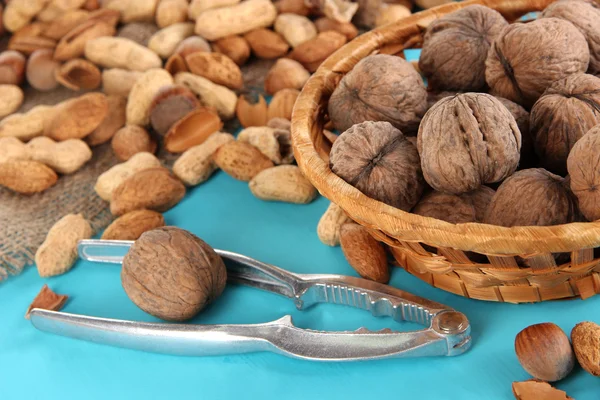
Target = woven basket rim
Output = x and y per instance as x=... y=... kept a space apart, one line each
x=478 y=237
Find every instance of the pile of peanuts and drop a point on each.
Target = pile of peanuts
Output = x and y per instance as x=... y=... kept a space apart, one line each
x=163 y=73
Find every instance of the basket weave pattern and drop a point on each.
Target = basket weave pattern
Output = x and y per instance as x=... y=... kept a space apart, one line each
x=517 y=264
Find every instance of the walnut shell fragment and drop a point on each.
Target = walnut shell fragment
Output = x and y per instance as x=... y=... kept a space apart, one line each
x=566 y=111
x=456 y=46
x=585 y=337
x=585 y=16
x=532 y=197
x=511 y=70
x=582 y=165
x=132 y=225
x=466 y=141
x=378 y=160
x=379 y=88
x=46 y=299
x=172 y=274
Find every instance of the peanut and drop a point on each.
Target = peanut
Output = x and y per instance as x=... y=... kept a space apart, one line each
x=196 y=165
x=115 y=52
x=12 y=149
x=273 y=143
x=130 y=226
x=72 y=45
x=113 y=177
x=218 y=23
x=27 y=125
x=296 y=29
x=63 y=157
x=210 y=94
x=56 y=8
x=283 y=183
x=133 y=10
x=18 y=13
x=142 y=93
x=11 y=98
x=165 y=41
x=26 y=177
x=169 y=12
x=152 y=189
x=241 y=160
x=130 y=140
x=197 y=6
x=191 y=45
x=330 y=224
x=58 y=253
x=118 y=81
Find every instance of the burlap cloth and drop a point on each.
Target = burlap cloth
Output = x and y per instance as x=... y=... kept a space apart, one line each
x=25 y=220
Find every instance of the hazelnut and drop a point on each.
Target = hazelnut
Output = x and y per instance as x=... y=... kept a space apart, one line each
x=585 y=16
x=41 y=70
x=586 y=343
x=532 y=197
x=456 y=46
x=282 y=104
x=130 y=140
x=544 y=352
x=468 y=140
x=378 y=160
x=525 y=59
x=582 y=165
x=251 y=110
x=566 y=111
x=170 y=104
x=172 y=274
x=379 y=88
x=12 y=67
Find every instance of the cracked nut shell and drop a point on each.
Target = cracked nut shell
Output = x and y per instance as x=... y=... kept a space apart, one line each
x=466 y=141
x=456 y=46
x=379 y=88
x=172 y=274
x=378 y=160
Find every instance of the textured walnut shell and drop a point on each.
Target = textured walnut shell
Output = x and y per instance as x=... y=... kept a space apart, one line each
x=456 y=46
x=153 y=189
x=130 y=226
x=481 y=199
x=466 y=141
x=526 y=59
x=446 y=207
x=566 y=111
x=532 y=197
x=170 y=104
x=521 y=115
x=584 y=174
x=379 y=88
x=585 y=16
x=378 y=160
x=172 y=274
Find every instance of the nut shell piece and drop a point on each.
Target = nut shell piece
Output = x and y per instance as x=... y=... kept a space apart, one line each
x=532 y=197
x=586 y=344
x=566 y=111
x=378 y=160
x=466 y=141
x=456 y=46
x=172 y=274
x=511 y=70
x=379 y=88
x=170 y=104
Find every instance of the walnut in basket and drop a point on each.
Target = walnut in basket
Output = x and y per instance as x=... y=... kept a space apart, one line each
x=456 y=46
x=532 y=197
x=466 y=141
x=378 y=160
x=585 y=15
x=526 y=59
x=528 y=157
x=566 y=111
x=582 y=164
x=379 y=88
x=456 y=209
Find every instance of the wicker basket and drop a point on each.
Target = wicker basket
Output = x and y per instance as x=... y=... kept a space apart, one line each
x=501 y=274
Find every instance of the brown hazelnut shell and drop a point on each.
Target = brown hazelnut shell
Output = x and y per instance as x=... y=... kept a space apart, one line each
x=130 y=140
x=192 y=130
x=170 y=104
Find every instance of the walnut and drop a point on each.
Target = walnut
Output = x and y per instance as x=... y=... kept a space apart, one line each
x=526 y=58
x=172 y=274
x=585 y=16
x=532 y=197
x=434 y=97
x=528 y=157
x=456 y=209
x=584 y=173
x=456 y=46
x=379 y=88
x=566 y=111
x=378 y=160
x=466 y=141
